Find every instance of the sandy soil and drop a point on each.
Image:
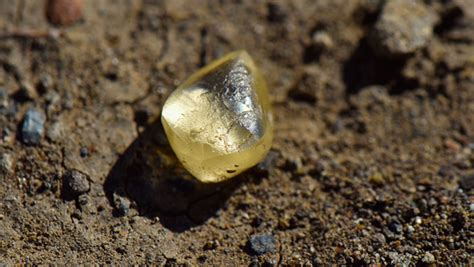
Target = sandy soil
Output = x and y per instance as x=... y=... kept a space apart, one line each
x=372 y=161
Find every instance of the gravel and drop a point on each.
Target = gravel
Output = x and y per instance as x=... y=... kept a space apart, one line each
x=33 y=127
x=262 y=243
x=467 y=181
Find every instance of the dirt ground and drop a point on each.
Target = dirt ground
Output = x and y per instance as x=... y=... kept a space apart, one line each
x=372 y=160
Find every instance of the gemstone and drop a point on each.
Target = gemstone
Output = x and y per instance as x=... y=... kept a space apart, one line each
x=219 y=122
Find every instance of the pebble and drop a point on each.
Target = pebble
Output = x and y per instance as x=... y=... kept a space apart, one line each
x=467 y=181
x=428 y=258
x=75 y=183
x=84 y=152
x=122 y=204
x=262 y=243
x=6 y=163
x=322 y=40
x=379 y=239
x=396 y=227
x=403 y=27
x=64 y=12
x=33 y=127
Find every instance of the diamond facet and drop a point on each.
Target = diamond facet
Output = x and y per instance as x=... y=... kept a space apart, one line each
x=219 y=122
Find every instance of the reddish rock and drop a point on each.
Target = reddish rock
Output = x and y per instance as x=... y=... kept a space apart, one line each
x=64 y=12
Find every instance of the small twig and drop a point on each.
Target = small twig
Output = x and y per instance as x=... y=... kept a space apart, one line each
x=28 y=33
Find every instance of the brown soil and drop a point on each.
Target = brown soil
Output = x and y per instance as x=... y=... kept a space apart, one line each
x=366 y=162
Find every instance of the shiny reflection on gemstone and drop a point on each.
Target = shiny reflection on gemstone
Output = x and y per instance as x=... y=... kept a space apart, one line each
x=219 y=121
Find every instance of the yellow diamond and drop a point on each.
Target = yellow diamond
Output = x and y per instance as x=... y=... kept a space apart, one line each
x=219 y=122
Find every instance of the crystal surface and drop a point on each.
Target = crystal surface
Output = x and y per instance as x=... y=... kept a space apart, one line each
x=219 y=122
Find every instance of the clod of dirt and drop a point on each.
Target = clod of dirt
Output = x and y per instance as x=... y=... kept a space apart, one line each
x=64 y=12
x=75 y=183
x=403 y=27
x=33 y=127
x=262 y=243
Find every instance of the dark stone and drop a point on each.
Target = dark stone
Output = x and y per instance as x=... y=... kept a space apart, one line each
x=84 y=152
x=379 y=240
x=75 y=183
x=257 y=221
x=467 y=181
x=262 y=243
x=396 y=227
x=6 y=163
x=33 y=127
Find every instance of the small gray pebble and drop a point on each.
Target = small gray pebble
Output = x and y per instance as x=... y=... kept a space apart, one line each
x=396 y=227
x=262 y=243
x=122 y=204
x=33 y=127
x=75 y=183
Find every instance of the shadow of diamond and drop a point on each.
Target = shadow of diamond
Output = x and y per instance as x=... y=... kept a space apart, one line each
x=149 y=174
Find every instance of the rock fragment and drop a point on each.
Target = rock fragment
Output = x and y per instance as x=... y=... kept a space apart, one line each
x=403 y=27
x=262 y=243
x=64 y=12
x=6 y=163
x=428 y=258
x=467 y=181
x=75 y=183
x=32 y=129
x=122 y=204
